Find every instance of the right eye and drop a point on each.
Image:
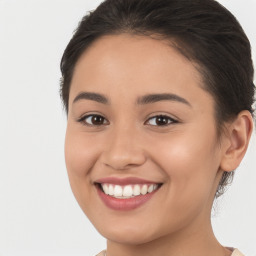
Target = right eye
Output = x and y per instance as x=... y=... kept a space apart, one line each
x=93 y=120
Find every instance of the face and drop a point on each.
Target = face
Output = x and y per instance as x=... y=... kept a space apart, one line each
x=142 y=129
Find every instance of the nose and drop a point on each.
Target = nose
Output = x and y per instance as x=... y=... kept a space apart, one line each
x=124 y=150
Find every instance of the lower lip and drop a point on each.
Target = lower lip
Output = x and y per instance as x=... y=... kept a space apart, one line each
x=124 y=204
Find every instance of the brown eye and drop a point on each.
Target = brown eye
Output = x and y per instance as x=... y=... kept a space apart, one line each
x=161 y=120
x=96 y=120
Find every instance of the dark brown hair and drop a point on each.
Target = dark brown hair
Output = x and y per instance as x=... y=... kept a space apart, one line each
x=202 y=30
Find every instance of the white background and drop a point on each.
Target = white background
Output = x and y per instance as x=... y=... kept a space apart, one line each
x=38 y=214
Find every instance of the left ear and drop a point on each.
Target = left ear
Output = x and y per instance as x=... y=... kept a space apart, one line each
x=237 y=140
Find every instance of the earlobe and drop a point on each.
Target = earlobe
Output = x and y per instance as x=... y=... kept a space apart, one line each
x=238 y=137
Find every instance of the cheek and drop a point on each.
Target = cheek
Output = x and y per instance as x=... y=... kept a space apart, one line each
x=191 y=164
x=80 y=155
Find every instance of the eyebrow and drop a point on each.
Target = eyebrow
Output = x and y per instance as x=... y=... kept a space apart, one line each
x=91 y=96
x=146 y=99
x=153 y=98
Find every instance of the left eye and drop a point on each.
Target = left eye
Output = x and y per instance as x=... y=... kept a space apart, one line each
x=160 y=120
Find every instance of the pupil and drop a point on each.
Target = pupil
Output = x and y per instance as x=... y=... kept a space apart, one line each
x=97 y=120
x=161 y=120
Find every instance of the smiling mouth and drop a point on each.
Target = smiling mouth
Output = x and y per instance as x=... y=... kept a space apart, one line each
x=127 y=191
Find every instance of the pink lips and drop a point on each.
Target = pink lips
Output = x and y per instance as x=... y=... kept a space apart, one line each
x=124 y=204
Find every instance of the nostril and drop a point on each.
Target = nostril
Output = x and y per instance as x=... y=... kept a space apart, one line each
x=123 y=160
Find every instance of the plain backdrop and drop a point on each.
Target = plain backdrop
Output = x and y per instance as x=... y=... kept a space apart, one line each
x=38 y=213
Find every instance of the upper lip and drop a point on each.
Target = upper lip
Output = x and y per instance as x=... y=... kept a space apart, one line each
x=124 y=181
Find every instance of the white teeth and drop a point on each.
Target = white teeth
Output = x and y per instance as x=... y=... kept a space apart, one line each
x=144 y=190
x=136 y=190
x=110 y=190
x=118 y=191
x=150 y=188
x=105 y=189
x=128 y=191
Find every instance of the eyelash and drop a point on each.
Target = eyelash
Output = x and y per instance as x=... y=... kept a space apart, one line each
x=83 y=119
x=164 y=118
x=169 y=120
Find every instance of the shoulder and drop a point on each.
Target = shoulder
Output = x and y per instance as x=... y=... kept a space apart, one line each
x=102 y=253
x=236 y=252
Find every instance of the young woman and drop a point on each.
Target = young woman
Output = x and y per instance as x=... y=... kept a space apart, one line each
x=159 y=98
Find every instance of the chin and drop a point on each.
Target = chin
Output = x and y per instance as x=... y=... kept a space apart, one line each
x=127 y=235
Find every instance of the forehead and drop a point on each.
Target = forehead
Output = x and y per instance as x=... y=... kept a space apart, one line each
x=135 y=65
x=113 y=52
